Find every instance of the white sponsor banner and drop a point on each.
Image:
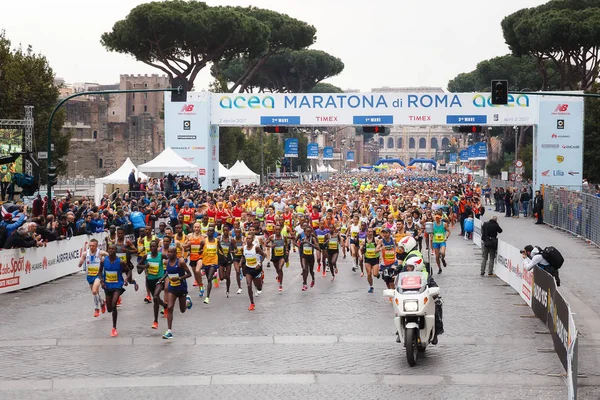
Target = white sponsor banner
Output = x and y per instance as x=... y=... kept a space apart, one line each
x=24 y=268
x=477 y=224
x=189 y=133
x=509 y=267
x=559 y=142
x=370 y=109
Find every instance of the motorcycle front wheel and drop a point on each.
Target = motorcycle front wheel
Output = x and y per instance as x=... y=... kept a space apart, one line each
x=411 y=347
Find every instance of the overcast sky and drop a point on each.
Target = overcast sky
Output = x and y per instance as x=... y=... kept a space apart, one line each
x=393 y=43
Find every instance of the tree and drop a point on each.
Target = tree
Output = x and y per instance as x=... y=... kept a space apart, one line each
x=286 y=34
x=293 y=71
x=323 y=87
x=591 y=143
x=565 y=32
x=181 y=37
x=521 y=72
x=232 y=142
x=26 y=78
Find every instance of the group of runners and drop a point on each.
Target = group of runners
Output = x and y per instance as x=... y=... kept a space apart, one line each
x=248 y=231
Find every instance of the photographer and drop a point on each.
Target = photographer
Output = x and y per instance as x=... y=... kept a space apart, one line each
x=532 y=256
x=489 y=237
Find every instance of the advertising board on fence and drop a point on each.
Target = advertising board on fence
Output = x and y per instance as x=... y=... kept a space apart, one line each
x=24 y=268
x=477 y=224
x=509 y=267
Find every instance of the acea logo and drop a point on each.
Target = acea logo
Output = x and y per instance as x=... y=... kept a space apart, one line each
x=480 y=100
x=229 y=102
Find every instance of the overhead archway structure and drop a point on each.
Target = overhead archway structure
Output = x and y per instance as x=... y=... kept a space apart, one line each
x=422 y=161
x=390 y=161
x=192 y=127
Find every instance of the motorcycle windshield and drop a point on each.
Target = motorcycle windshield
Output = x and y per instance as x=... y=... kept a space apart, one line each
x=414 y=282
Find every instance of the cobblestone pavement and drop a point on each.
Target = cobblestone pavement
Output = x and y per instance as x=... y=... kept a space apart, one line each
x=334 y=341
x=580 y=280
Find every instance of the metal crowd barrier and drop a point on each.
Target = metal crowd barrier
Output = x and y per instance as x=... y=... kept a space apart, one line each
x=573 y=211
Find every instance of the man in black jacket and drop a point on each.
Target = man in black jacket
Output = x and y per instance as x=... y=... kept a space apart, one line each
x=21 y=239
x=538 y=207
x=489 y=240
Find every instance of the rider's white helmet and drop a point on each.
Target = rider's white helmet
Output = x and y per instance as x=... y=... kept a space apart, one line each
x=417 y=264
x=408 y=243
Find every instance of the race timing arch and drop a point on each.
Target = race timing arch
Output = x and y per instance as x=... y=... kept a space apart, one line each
x=422 y=161
x=192 y=128
x=390 y=161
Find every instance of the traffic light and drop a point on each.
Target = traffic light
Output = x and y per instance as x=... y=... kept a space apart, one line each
x=276 y=129
x=52 y=176
x=179 y=95
x=374 y=129
x=470 y=129
x=500 y=92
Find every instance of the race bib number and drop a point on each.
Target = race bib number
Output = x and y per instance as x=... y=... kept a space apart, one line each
x=174 y=280
x=315 y=223
x=439 y=237
x=122 y=256
x=354 y=235
x=278 y=251
x=211 y=220
x=270 y=227
x=211 y=250
x=251 y=261
x=321 y=239
x=112 y=277
x=378 y=230
x=307 y=251
x=153 y=268
x=186 y=218
x=370 y=253
x=333 y=245
x=389 y=256
x=195 y=248
x=92 y=270
x=226 y=251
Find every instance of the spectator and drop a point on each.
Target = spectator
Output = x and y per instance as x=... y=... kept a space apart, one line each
x=516 y=200
x=11 y=226
x=489 y=239
x=525 y=201
x=532 y=256
x=21 y=239
x=131 y=180
x=538 y=207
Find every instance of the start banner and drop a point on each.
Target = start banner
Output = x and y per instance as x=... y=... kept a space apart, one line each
x=24 y=268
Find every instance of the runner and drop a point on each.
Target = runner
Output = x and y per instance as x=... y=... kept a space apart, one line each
x=278 y=245
x=152 y=263
x=178 y=272
x=333 y=241
x=210 y=247
x=225 y=258
x=91 y=260
x=252 y=262
x=193 y=242
x=321 y=232
x=441 y=233
x=111 y=272
x=237 y=243
x=371 y=256
x=308 y=245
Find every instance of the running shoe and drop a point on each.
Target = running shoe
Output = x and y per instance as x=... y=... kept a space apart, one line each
x=206 y=300
x=312 y=284
x=114 y=332
x=162 y=312
x=147 y=299
x=96 y=313
x=354 y=269
x=304 y=288
x=332 y=278
x=251 y=308
x=324 y=273
x=439 y=271
x=239 y=291
x=155 y=325
x=344 y=256
x=258 y=292
x=103 y=307
x=119 y=302
x=167 y=335
x=216 y=282
x=195 y=283
x=371 y=289
x=362 y=274
x=280 y=288
x=328 y=269
x=166 y=313
x=227 y=294
x=188 y=302
x=336 y=270
x=287 y=264
x=444 y=263
x=318 y=267
x=201 y=293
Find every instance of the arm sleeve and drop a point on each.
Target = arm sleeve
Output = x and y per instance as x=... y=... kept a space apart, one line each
x=529 y=264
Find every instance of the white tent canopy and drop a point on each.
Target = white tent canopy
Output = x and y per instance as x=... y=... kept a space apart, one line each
x=223 y=172
x=243 y=174
x=169 y=162
x=328 y=168
x=119 y=177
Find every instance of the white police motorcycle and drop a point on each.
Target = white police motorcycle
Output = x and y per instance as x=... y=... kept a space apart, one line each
x=414 y=305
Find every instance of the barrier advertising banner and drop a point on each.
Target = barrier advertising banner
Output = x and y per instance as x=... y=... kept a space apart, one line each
x=316 y=109
x=350 y=156
x=464 y=156
x=327 y=153
x=24 y=268
x=312 y=151
x=477 y=224
x=509 y=267
x=291 y=147
x=543 y=290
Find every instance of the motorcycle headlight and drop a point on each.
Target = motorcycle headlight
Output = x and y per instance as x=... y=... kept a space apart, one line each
x=411 y=305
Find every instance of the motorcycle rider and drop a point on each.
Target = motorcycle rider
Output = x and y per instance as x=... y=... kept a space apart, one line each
x=532 y=256
x=413 y=261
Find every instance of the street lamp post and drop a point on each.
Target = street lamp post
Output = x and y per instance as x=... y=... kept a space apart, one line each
x=75 y=180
